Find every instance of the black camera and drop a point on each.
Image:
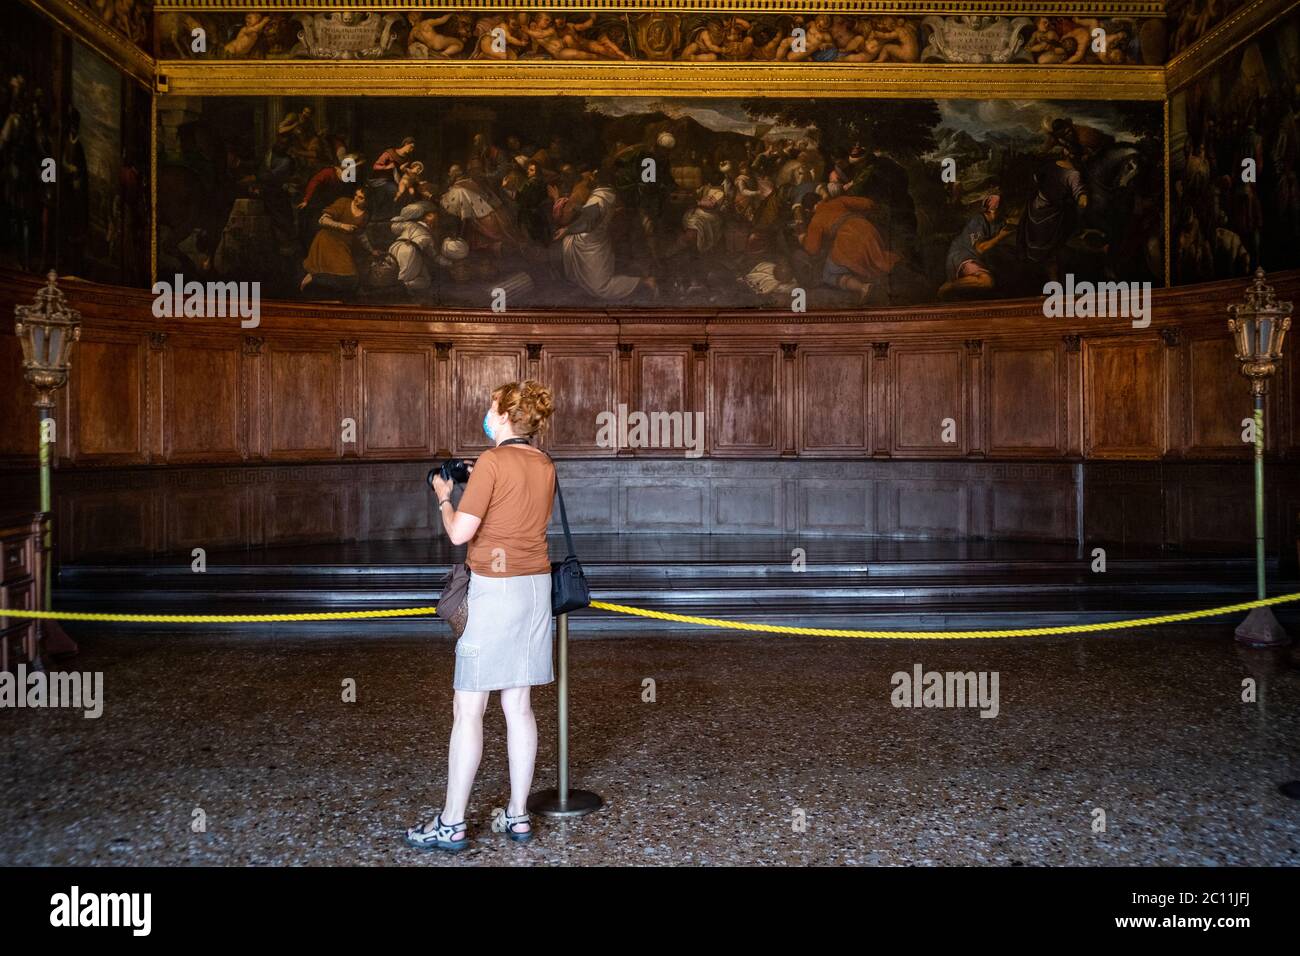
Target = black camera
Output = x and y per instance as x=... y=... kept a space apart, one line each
x=453 y=469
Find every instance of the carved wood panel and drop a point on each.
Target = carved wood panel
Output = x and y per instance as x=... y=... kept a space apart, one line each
x=301 y=402
x=583 y=383
x=1217 y=399
x=396 y=399
x=106 y=390
x=1025 y=401
x=200 y=406
x=928 y=389
x=1125 y=410
x=832 y=413
x=744 y=402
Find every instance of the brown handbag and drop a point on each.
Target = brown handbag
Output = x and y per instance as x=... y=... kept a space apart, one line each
x=453 y=602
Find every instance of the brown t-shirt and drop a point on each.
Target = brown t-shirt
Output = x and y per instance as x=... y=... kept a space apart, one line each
x=511 y=488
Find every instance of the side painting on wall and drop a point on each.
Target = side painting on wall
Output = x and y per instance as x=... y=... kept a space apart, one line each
x=1234 y=138
x=74 y=159
x=573 y=202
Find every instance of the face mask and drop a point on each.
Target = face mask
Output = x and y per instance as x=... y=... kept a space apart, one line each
x=487 y=426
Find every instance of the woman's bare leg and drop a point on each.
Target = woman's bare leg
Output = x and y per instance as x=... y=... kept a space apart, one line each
x=521 y=743
x=464 y=751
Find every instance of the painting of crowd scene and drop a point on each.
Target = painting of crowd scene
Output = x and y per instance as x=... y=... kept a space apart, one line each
x=130 y=18
x=74 y=159
x=1189 y=20
x=683 y=37
x=620 y=202
x=1235 y=162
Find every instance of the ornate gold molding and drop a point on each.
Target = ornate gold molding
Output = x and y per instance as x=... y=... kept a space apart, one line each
x=1228 y=35
x=519 y=78
x=1130 y=8
x=83 y=25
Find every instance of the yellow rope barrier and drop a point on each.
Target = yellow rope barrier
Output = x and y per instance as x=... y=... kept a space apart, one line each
x=662 y=616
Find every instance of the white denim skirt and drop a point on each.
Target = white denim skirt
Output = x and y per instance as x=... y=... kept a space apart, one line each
x=507 y=640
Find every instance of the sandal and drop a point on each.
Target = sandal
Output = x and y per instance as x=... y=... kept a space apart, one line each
x=438 y=835
x=510 y=822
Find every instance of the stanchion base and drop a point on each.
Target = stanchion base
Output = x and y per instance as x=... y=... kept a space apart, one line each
x=1261 y=629
x=578 y=804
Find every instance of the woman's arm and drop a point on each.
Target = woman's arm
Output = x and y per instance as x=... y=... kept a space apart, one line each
x=460 y=527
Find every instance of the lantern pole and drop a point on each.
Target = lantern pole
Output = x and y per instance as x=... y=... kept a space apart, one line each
x=1259 y=326
x=47 y=330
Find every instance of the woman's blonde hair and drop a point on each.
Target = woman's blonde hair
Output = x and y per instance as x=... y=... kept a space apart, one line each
x=529 y=404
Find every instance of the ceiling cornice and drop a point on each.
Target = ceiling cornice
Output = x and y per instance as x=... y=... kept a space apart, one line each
x=895 y=80
x=83 y=25
x=518 y=78
x=1225 y=37
x=1143 y=8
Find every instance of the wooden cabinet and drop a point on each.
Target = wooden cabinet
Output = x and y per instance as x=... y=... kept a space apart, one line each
x=20 y=585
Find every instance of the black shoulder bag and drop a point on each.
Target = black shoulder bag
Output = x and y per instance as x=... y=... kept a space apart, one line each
x=569 y=590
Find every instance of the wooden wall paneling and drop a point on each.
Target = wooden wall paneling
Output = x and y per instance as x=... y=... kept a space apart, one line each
x=834 y=409
x=476 y=372
x=106 y=399
x=1215 y=398
x=928 y=385
x=702 y=387
x=253 y=409
x=880 y=379
x=1125 y=396
x=626 y=390
x=301 y=401
x=746 y=400
x=663 y=383
x=1177 y=424
x=976 y=389
x=1071 y=388
x=790 y=399
x=584 y=383
x=1026 y=400
x=443 y=401
x=353 y=396
x=396 y=387
x=19 y=437
x=199 y=408
x=154 y=440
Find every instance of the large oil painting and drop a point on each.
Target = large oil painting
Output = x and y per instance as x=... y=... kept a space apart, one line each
x=576 y=202
x=1235 y=162
x=74 y=158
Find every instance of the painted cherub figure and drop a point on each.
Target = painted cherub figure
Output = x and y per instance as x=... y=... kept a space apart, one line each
x=424 y=39
x=1045 y=43
x=495 y=39
x=408 y=187
x=739 y=44
x=900 y=41
x=817 y=38
x=248 y=36
x=600 y=45
x=547 y=37
x=707 y=44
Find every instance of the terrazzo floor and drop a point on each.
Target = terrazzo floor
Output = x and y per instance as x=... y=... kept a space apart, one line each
x=744 y=738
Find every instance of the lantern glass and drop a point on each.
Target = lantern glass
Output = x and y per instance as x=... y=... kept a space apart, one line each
x=53 y=346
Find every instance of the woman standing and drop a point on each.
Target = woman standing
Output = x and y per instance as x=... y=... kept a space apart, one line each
x=506 y=644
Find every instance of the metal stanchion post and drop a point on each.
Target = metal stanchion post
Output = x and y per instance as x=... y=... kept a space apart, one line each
x=561 y=801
